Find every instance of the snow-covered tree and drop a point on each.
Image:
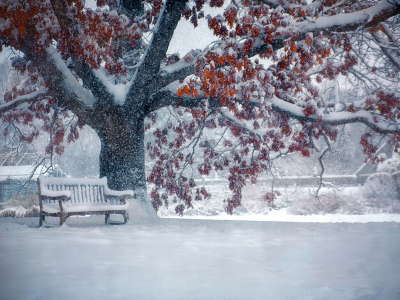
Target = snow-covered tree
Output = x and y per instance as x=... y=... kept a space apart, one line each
x=108 y=68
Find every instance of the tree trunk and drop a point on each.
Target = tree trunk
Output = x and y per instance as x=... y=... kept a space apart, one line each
x=122 y=161
x=122 y=154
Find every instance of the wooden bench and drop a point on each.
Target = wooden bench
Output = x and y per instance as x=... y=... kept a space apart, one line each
x=65 y=197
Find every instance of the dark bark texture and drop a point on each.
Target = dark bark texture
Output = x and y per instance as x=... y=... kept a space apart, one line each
x=122 y=154
x=121 y=128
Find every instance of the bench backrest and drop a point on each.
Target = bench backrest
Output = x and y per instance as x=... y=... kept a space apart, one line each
x=82 y=190
x=81 y=193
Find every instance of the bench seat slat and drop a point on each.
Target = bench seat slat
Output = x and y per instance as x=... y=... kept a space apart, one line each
x=49 y=208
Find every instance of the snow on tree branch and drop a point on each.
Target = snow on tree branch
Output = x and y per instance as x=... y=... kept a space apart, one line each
x=368 y=17
x=61 y=81
x=35 y=96
x=390 y=51
x=327 y=24
x=335 y=118
x=155 y=53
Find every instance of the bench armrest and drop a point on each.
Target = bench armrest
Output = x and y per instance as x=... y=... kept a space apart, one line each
x=44 y=191
x=113 y=193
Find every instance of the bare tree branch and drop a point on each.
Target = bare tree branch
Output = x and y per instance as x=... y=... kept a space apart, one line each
x=390 y=53
x=321 y=180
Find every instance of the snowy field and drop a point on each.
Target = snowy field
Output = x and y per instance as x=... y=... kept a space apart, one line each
x=294 y=203
x=344 y=246
x=200 y=259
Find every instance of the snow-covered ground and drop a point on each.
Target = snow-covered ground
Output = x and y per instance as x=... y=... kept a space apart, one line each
x=293 y=201
x=199 y=259
x=282 y=215
x=342 y=246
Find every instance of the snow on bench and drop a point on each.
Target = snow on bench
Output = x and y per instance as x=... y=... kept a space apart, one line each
x=65 y=197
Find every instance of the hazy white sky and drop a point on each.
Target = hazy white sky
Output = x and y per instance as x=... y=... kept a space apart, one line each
x=186 y=37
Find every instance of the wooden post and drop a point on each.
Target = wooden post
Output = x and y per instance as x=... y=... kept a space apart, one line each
x=126 y=217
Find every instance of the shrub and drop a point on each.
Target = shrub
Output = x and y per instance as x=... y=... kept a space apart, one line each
x=20 y=206
x=349 y=201
x=385 y=184
x=312 y=205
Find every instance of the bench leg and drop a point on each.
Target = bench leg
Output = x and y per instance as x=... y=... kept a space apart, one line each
x=62 y=218
x=107 y=218
x=126 y=217
x=41 y=219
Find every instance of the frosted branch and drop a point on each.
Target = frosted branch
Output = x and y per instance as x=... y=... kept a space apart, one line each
x=143 y=81
x=35 y=96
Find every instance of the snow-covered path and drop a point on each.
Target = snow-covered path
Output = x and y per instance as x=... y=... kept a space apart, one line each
x=199 y=259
